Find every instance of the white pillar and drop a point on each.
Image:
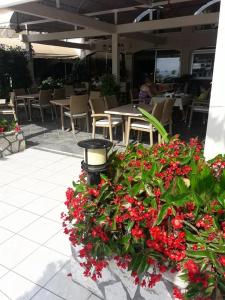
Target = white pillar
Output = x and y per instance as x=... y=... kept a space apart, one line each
x=115 y=57
x=215 y=135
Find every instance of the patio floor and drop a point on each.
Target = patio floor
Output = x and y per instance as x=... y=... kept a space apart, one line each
x=34 y=252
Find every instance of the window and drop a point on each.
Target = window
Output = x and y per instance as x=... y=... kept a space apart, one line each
x=167 y=65
x=202 y=64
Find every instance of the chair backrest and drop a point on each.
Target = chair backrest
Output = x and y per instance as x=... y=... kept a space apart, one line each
x=85 y=84
x=45 y=97
x=12 y=97
x=157 y=111
x=19 y=92
x=167 y=110
x=111 y=101
x=59 y=94
x=69 y=90
x=79 y=104
x=97 y=105
x=95 y=94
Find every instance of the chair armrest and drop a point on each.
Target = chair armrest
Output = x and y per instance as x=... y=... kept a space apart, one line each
x=133 y=101
x=100 y=115
x=136 y=118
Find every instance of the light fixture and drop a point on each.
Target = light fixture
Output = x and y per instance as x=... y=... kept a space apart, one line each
x=95 y=158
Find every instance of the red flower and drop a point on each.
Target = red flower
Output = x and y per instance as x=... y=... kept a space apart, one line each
x=222 y=260
x=2 y=129
x=192 y=267
x=177 y=294
x=137 y=232
x=17 y=128
x=177 y=222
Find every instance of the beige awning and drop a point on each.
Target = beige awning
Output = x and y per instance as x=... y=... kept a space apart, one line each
x=43 y=51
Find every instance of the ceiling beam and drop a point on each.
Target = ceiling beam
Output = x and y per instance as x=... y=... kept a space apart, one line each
x=36 y=22
x=204 y=19
x=24 y=38
x=9 y=3
x=81 y=33
x=66 y=17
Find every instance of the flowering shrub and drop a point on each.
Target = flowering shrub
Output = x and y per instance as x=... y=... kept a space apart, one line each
x=6 y=126
x=160 y=207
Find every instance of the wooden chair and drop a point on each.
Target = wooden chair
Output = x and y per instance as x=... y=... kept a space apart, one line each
x=111 y=101
x=200 y=105
x=58 y=94
x=20 y=92
x=43 y=103
x=78 y=110
x=141 y=125
x=18 y=103
x=167 y=119
x=8 y=109
x=69 y=90
x=100 y=119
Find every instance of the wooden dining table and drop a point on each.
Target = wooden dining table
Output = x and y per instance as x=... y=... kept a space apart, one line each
x=128 y=110
x=62 y=103
x=28 y=98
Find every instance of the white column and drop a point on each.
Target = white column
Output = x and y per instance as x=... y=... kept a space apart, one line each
x=215 y=135
x=115 y=57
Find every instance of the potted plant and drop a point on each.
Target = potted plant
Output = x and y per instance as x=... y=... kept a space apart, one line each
x=160 y=211
x=109 y=86
x=11 y=138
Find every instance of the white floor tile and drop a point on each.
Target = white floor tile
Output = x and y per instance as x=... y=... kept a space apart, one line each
x=3 y=271
x=41 y=230
x=6 y=210
x=58 y=194
x=93 y=297
x=25 y=183
x=18 y=220
x=60 y=242
x=5 y=235
x=55 y=213
x=4 y=296
x=17 y=197
x=63 y=286
x=17 y=287
x=41 y=205
x=42 y=187
x=14 y=250
x=7 y=177
x=45 y=295
x=42 y=265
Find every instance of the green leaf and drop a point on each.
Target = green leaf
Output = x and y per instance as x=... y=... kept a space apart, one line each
x=197 y=254
x=129 y=226
x=136 y=189
x=162 y=214
x=152 y=120
x=181 y=185
x=193 y=237
x=101 y=219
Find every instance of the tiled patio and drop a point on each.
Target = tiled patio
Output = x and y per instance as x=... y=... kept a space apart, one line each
x=34 y=252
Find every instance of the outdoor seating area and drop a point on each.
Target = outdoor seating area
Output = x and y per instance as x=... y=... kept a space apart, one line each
x=112 y=150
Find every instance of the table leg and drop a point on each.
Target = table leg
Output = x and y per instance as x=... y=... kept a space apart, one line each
x=29 y=109
x=125 y=121
x=62 y=118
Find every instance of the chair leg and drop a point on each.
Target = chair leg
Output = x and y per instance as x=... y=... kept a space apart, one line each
x=151 y=137
x=110 y=134
x=72 y=125
x=93 y=129
x=52 y=113
x=170 y=127
x=139 y=136
x=87 y=122
x=42 y=115
x=159 y=138
x=190 y=119
x=25 y=108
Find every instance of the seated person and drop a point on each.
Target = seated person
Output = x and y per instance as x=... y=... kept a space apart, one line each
x=147 y=91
